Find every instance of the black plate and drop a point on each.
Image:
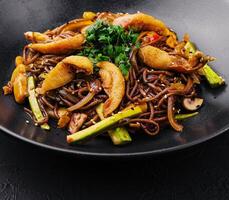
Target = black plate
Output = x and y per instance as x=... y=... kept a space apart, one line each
x=206 y=22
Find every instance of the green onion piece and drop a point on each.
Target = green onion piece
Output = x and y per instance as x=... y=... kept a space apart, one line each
x=185 y=116
x=34 y=104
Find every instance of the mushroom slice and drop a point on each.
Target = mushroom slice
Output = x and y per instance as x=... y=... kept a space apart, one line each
x=62 y=73
x=76 y=122
x=60 y=46
x=192 y=104
x=113 y=84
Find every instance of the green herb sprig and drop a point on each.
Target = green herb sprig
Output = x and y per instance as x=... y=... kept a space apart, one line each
x=106 y=42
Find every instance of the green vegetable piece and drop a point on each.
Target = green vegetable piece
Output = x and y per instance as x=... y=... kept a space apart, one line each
x=119 y=135
x=106 y=42
x=190 y=48
x=212 y=77
x=43 y=75
x=185 y=116
x=103 y=125
x=34 y=104
x=99 y=110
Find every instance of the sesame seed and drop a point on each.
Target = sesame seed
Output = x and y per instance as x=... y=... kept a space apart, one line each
x=93 y=121
x=27 y=121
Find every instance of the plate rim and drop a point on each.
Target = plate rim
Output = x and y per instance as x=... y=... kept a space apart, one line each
x=116 y=155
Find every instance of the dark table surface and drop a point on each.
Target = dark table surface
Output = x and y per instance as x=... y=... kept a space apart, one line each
x=28 y=172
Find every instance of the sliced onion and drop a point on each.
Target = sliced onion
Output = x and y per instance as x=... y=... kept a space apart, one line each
x=171 y=118
x=82 y=102
x=133 y=59
x=95 y=87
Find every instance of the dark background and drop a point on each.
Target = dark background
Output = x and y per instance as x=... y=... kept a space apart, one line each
x=28 y=172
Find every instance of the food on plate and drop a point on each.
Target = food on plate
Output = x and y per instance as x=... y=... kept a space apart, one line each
x=111 y=74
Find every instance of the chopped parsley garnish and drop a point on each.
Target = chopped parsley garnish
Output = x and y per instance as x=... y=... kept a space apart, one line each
x=105 y=42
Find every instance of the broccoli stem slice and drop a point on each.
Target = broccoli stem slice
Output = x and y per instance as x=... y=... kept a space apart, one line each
x=119 y=135
x=211 y=76
x=34 y=103
x=185 y=116
x=103 y=125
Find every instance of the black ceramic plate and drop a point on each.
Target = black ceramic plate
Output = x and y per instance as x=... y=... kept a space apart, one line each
x=207 y=23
